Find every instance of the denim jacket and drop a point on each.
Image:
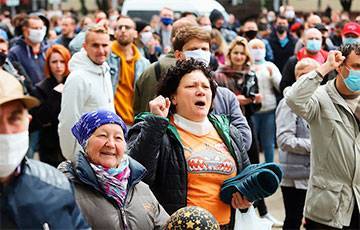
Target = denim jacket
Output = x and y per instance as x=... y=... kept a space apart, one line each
x=115 y=68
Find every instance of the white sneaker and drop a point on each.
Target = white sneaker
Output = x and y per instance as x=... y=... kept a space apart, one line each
x=276 y=223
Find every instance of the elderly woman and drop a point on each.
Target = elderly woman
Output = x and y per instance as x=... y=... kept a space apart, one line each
x=108 y=185
x=187 y=151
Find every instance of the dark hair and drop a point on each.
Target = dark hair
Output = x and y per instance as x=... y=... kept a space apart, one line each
x=346 y=49
x=26 y=20
x=281 y=17
x=72 y=17
x=170 y=82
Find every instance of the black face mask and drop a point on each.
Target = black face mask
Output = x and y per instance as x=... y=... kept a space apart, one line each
x=281 y=29
x=3 y=57
x=251 y=34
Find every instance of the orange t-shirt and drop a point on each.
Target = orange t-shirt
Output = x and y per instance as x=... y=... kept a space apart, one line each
x=209 y=163
x=124 y=94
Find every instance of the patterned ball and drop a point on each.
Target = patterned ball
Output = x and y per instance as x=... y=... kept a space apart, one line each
x=192 y=217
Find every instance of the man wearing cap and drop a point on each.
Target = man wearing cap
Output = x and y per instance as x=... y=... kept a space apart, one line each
x=351 y=33
x=327 y=44
x=33 y=195
x=126 y=65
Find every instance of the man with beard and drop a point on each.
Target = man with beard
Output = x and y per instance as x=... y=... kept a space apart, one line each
x=126 y=65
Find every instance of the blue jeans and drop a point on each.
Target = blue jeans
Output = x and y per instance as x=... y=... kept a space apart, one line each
x=265 y=130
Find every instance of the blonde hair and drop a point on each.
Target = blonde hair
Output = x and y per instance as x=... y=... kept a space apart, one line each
x=304 y=66
x=99 y=28
x=239 y=41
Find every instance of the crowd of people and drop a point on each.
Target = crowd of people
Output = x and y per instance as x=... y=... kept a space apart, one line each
x=138 y=124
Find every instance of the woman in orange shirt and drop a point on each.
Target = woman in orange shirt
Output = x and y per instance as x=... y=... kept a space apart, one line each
x=187 y=151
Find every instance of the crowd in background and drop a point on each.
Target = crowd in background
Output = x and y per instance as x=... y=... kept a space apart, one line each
x=139 y=75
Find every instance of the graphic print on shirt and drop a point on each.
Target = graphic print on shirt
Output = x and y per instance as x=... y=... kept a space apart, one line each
x=209 y=159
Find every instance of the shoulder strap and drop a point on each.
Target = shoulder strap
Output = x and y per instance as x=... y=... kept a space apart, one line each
x=157 y=71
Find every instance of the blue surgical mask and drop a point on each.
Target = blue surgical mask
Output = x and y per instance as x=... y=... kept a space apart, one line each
x=214 y=47
x=348 y=41
x=166 y=21
x=313 y=45
x=199 y=54
x=352 y=81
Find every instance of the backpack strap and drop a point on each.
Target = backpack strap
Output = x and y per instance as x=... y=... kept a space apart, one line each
x=157 y=71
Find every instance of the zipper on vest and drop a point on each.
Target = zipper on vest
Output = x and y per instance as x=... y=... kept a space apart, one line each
x=123 y=216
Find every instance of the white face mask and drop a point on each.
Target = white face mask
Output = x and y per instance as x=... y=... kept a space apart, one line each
x=146 y=37
x=37 y=35
x=199 y=54
x=113 y=18
x=290 y=14
x=207 y=28
x=258 y=54
x=13 y=148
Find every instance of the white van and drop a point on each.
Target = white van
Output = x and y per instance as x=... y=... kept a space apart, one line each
x=145 y=9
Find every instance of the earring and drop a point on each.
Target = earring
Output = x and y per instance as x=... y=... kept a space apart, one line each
x=172 y=99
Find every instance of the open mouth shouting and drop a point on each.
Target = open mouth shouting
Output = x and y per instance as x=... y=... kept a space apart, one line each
x=200 y=104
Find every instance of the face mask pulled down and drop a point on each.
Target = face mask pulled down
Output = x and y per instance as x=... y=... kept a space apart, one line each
x=13 y=148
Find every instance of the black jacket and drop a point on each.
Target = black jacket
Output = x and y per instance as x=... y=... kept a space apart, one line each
x=155 y=143
x=281 y=54
x=45 y=119
x=288 y=73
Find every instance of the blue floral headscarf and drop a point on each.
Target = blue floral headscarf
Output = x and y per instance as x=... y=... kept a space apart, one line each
x=90 y=121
